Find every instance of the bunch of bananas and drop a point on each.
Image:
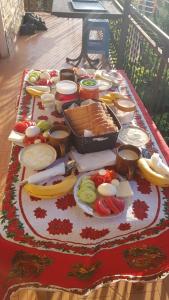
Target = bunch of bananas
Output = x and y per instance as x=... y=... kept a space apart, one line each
x=150 y=175
x=51 y=191
x=110 y=97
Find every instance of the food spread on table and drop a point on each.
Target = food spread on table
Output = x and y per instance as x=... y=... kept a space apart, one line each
x=91 y=108
x=87 y=186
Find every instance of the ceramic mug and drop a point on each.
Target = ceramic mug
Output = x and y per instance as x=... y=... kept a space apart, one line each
x=126 y=160
x=67 y=74
x=59 y=138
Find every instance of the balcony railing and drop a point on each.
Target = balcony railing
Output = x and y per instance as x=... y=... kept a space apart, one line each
x=145 y=58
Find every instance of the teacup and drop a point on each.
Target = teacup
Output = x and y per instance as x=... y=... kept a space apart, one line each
x=67 y=74
x=126 y=160
x=59 y=138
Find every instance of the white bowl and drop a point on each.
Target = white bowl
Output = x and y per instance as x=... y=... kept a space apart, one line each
x=37 y=156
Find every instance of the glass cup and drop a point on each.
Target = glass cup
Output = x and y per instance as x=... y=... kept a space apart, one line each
x=48 y=101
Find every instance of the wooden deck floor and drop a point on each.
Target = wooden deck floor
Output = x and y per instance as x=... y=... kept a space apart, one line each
x=49 y=50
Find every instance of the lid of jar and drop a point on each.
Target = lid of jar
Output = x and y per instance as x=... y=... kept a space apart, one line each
x=89 y=83
x=66 y=87
x=125 y=105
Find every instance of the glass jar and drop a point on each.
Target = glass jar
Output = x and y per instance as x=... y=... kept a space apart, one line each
x=66 y=90
x=89 y=89
x=124 y=110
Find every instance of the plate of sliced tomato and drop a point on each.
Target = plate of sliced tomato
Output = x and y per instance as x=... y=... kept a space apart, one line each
x=95 y=193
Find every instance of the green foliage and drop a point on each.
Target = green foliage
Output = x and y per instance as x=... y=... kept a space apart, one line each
x=162 y=17
x=162 y=122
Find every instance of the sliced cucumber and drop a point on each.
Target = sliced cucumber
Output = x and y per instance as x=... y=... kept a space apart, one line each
x=87 y=195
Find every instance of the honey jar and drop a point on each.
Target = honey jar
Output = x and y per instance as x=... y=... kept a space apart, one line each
x=89 y=89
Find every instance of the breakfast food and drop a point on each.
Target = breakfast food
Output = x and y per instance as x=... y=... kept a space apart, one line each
x=21 y=126
x=59 y=134
x=128 y=154
x=97 y=195
x=87 y=190
x=134 y=136
x=51 y=191
x=37 y=90
x=93 y=117
x=124 y=189
x=37 y=157
x=152 y=176
x=32 y=131
x=106 y=206
x=44 y=125
x=107 y=189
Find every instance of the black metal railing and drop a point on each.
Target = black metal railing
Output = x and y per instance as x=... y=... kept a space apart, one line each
x=145 y=59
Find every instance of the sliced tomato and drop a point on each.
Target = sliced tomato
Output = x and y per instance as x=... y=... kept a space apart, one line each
x=112 y=205
x=20 y=127
x=42 y=82
x=29 y=123
x=119 y=202
x=53 y=73
x=101 y=208
x=33 y=140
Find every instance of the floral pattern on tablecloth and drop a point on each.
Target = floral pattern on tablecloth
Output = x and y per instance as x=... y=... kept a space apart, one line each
x=56 y=224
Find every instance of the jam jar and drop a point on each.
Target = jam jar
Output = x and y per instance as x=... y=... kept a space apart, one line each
x=66 y=90
x=89 y=89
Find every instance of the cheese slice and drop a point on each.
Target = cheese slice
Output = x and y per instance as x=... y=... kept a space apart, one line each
x=16 y=137
x=124 y=190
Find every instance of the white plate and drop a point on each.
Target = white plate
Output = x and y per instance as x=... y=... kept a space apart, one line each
x=35 y=83
x=37 y=156
x=112 y=75
x=87 y=208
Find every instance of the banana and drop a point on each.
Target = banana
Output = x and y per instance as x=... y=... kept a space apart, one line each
x=36 y=92
x=152 y=176
x=51 y=191
x=110 y=97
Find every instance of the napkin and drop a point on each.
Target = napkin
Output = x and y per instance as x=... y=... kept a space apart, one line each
x=93 y=161
x=158 y=166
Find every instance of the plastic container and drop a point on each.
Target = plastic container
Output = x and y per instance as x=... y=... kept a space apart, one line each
x=66 y=90
x=89 y=89
x=124 y=110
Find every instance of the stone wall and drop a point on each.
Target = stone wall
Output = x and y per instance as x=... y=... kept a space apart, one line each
x=12 y=12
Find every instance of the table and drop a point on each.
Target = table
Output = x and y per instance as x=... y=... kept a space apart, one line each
x=52 y=244
x=64 y=9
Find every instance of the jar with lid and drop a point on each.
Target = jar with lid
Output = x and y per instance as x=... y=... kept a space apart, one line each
x=66 y=90
x=124 y=110
x=89 y=89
